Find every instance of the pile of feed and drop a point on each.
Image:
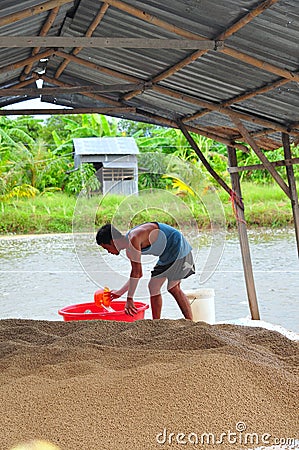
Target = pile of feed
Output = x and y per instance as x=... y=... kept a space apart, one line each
x=104 y=385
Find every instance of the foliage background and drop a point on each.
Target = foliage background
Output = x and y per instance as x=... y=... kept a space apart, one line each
x=37 y=156
x=36 y=162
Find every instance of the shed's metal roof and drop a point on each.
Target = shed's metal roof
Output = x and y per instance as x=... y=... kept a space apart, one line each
x=249 y=73
x=105 y=146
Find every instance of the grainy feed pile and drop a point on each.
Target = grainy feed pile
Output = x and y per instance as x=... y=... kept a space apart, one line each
x=104 y=385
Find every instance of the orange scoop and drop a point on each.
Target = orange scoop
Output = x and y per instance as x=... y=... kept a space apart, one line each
x=102 y=297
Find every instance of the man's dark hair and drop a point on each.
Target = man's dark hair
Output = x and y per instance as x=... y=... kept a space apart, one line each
x=107 y=233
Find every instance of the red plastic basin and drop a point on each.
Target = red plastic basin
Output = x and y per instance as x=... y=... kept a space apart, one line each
x=90 y=311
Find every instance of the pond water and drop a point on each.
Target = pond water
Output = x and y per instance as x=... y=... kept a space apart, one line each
x=41 y=274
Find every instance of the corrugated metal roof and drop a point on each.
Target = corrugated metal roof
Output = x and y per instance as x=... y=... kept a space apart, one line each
x=105 y=146
x=259 y=60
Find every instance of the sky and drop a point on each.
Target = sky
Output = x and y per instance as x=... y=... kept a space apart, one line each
x=33 y=104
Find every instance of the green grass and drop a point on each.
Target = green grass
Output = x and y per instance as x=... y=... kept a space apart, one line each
x=265 y=206
x=42 y=214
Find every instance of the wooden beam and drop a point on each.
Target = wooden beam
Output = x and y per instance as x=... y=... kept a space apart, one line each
x=43 y=32
x=69 y=89
x=174 y=94
x=91 y=110
x=248 y=17
x=189 y=35
x=243 y=238
x=32 y=11
x=261 y=155
x=180 y=65
x=236 y=26
x=222 y=110
x=20 y=84
x=259 y=133
x=260 y=64
x=152 y=19
x=105 y=42
x=292 y=185
x=97 y=67
x=97 y=97
x=241 y=98
x=259 y=91
x=94 y=24
x=281 y=163
x=293 y=129
x=26 y=61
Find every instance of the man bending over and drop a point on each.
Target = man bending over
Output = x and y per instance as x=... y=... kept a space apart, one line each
x=175 y=262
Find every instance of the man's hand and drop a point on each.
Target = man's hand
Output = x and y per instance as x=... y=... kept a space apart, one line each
x=115 y=294
x=130 y=308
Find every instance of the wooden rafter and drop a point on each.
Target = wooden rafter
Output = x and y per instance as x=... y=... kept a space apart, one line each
x=64 y=111
x=260 y=64
x=178 y=95
x=83 y=62
x=97 y=20
x=220 y=109
x=67 y=89
x=280 y=163
x=32 y=11
x=254 y=93
x=170 y=71
x=241 y=98
x=138 y=85
x=164 y=91
x=231 y=30
x=44 y=31
x=117 y=109
x=152 y=19
x=196 y=55
x=289 y=76
x=97 y=97
x=265 y=132
x=255 y=134
x=159 y=119
x=247 y=18
x=24 y=62
x=21 y=85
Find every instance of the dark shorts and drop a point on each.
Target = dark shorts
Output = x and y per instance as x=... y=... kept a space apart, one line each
x=177 y=270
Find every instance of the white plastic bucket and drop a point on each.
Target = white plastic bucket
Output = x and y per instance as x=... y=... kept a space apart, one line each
x=202 y=303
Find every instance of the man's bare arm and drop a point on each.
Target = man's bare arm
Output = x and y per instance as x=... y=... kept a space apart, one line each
x=134 y=254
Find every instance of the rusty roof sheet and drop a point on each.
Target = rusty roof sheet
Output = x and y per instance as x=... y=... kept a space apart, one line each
x=250 y=72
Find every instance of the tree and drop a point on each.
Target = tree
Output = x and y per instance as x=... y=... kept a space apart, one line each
x=61 y=130
x=132 y=128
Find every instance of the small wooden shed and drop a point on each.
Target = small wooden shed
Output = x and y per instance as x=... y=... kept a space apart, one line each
x=114 y=158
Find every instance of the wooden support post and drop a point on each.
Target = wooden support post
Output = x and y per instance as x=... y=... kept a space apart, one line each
x=243 y=238
x=292 y=185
